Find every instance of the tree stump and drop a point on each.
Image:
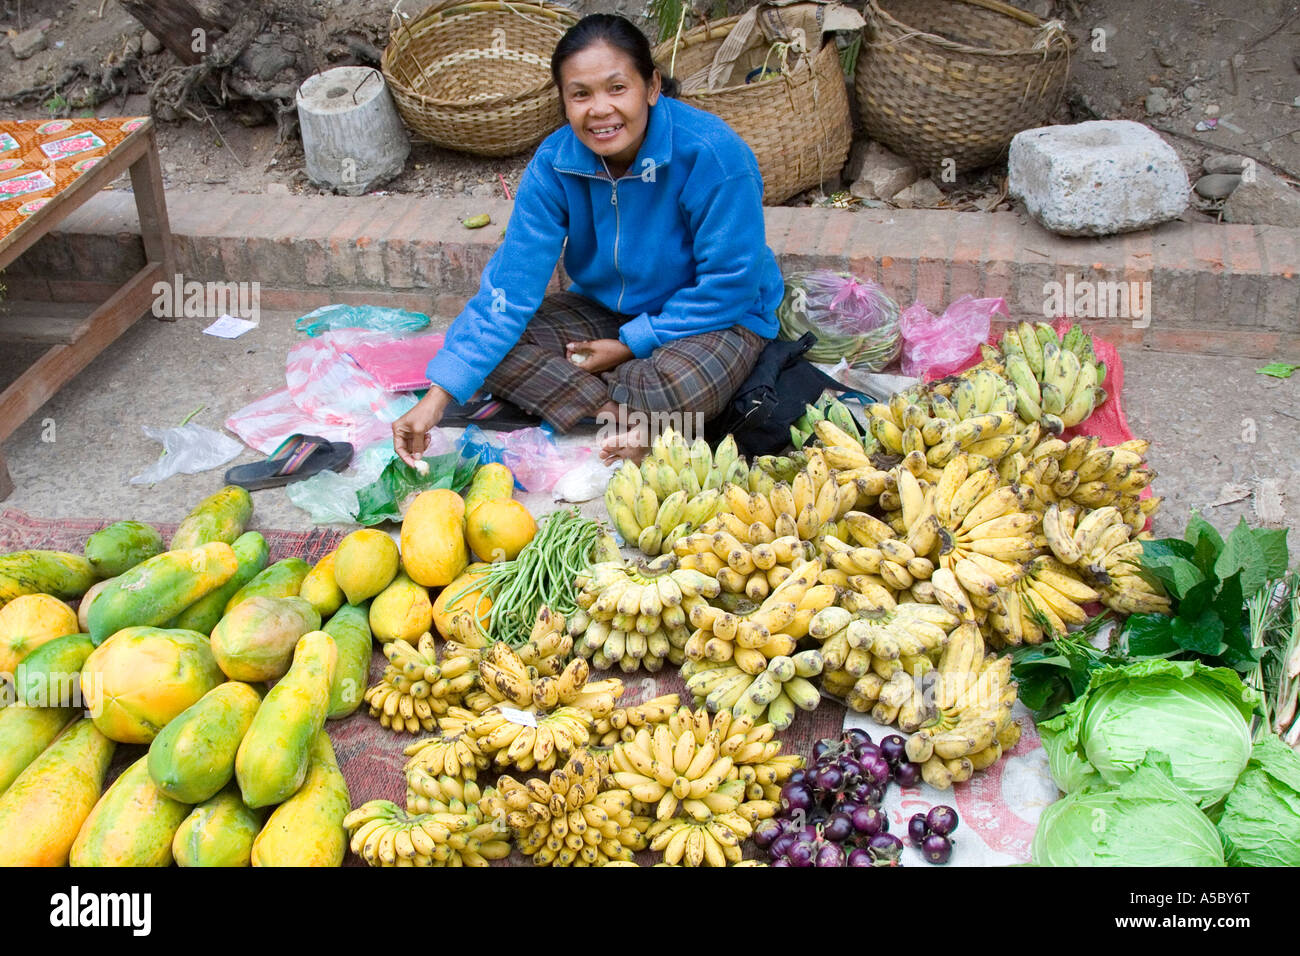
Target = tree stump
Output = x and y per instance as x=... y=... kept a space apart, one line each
x=352 y=138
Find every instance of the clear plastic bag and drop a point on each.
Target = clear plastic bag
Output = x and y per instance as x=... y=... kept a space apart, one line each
x=937 y=346
x=532 y=456
x=330 y=318
x=331 y=498
x=585 y=481
x=853 y=319
x=187 y=450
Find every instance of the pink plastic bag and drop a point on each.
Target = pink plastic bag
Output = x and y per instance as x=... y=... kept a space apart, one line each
x=935 y=347
x=398 y=364
x=533 y=459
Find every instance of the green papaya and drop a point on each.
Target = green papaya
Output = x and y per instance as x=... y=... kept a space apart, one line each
x=155 y=591
x=50 y=676
x=218 y=517
x=120 y=547
x=251 y=552
x=218 y=832
x=282 y=579
x=193 y=757
x=350 y=628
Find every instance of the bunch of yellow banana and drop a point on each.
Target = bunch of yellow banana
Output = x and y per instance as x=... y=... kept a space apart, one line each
x=673 y=491
x=623 y=722
x=863 y=650
x=567 y=820
x=423 y=790
x=451 y=834
x=770 y=696
x=715 y=841
x=1057 y=381
x=1086 y=475
x=878 y=562
x=965 y=708
x=851 y=461
x=504 y=676
x=442 y=768
x=753 y=634
x=416 y=688
x=526 y=739
x=635 y=614
x=1045 y=598
x=1121 y=587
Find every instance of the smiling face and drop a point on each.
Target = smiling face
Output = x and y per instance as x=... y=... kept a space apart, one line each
x=607 y=103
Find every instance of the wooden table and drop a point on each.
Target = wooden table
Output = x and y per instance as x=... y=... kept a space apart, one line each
x=64 y=154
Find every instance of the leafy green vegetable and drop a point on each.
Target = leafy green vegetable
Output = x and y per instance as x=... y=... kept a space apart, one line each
x=1278 y=369
x=1055 y=672
x=1145 y=821
x=382 y=500
x=1194 y=714
x=1261 y=817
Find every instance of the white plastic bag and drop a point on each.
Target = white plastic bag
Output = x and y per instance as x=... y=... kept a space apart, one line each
x=187 y=450
x=584 y=482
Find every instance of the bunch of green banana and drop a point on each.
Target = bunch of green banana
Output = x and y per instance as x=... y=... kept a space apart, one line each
x=831 y=409
x=770 y=695
x=780 y=467
x=1057 y=381
x=635 y=614
x=453 y=833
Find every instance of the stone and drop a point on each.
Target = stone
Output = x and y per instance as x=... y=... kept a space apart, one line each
x=1165 y=56
x=1192 y=93
x=1212 y=109
x=1217 y=185
x=277 y=189
x=150 y=44
x=1157 y=101
x=876 y=173
x=923 y=194
x=1263 y=200
x=28 y=43
x=1097 y=178
x=1224 y=163
x=483 y=191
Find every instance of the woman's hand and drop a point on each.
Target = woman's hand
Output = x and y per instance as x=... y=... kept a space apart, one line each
x=598 y=355
x=411 y=431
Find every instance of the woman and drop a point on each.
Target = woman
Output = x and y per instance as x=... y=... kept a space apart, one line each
x=674 y=289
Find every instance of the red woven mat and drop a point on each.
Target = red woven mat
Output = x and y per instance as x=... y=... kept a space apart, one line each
x=370 y=756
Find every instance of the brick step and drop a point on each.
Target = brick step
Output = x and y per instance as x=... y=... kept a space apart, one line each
x=1213 y=289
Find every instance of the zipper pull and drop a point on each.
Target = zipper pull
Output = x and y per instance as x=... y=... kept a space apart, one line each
x=613 y=194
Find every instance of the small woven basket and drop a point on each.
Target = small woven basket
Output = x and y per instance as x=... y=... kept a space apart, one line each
x=797 y=123
x=957 y=79
x=476 y=77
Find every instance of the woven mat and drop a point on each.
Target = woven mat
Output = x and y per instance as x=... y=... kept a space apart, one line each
x=370 y=756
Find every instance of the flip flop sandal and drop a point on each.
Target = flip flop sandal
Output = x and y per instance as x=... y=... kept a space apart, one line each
x=488 y=413
x=298 y=457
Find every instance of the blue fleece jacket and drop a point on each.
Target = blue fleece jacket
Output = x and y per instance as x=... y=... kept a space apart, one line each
x=678 y=243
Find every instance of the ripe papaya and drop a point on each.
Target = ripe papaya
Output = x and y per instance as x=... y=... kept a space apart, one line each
x=321 y=588
x=350 y=628
x=62 y=574
x=133 y=824
x=193 y=757
x=218 y=517
x=282 y=579
x=50 y=676
x=155 y=591
x=251 y=552
x=42 y=811
x=218 y=832
x=25 y=732
x=499 y=529
x=365 y=563
x=275 y=754
x=28 y=622
x=255 y=641
x=141 y=678
x=120 y=547
x=401 y=611
x=307 y=829
x=434 y=552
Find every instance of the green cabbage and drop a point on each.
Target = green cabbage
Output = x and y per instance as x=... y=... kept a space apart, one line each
x=1145 y=821
x=1261 y=816
x=1196 y=715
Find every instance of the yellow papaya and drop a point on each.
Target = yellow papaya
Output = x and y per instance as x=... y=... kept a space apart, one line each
x=365 y=563
x=491 y=481
x=155 y=591
x=401 y=611
x=28 y=622
x=83 y=606
x=464 y=595
x=42 y=811
x=307 y=829
x=275 y=754
x=133 y=824
x=193 y=757
x=434 y=552
x=218 y=517
x=218 y=832
x=499 y=529
x=282 y=579
x=321 y=589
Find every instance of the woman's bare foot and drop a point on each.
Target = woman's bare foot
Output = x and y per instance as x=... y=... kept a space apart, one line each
x=630 y=444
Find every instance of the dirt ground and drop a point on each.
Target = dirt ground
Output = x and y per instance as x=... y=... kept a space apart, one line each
x=1214 y=60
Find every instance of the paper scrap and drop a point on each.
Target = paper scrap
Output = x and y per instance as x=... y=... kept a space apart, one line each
x=229 y=327
x=523 y=718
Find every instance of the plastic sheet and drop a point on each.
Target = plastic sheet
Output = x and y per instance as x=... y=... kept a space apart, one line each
x=329 y=318
x=937 y=346
x=187 y=450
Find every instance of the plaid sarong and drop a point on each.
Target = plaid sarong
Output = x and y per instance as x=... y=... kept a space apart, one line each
x=698 y=374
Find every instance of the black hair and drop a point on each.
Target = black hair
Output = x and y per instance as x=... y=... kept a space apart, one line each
x=620 y=33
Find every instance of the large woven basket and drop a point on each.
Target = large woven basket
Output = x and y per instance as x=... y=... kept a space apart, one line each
x=797 y=124
x=957 y=79
x=476 y=77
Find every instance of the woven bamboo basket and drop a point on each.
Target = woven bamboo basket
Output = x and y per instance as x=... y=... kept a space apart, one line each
x=957 y=79
x=797 y=123
x=476 y=77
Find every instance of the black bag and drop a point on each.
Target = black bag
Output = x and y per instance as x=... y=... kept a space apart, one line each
x=772 y=398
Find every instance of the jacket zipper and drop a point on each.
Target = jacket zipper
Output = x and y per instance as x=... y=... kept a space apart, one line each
x=613 y=198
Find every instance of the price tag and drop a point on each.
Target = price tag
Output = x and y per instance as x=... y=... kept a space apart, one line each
x=523 y=718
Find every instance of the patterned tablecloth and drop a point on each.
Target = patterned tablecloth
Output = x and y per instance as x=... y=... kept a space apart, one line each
x=39 y=159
